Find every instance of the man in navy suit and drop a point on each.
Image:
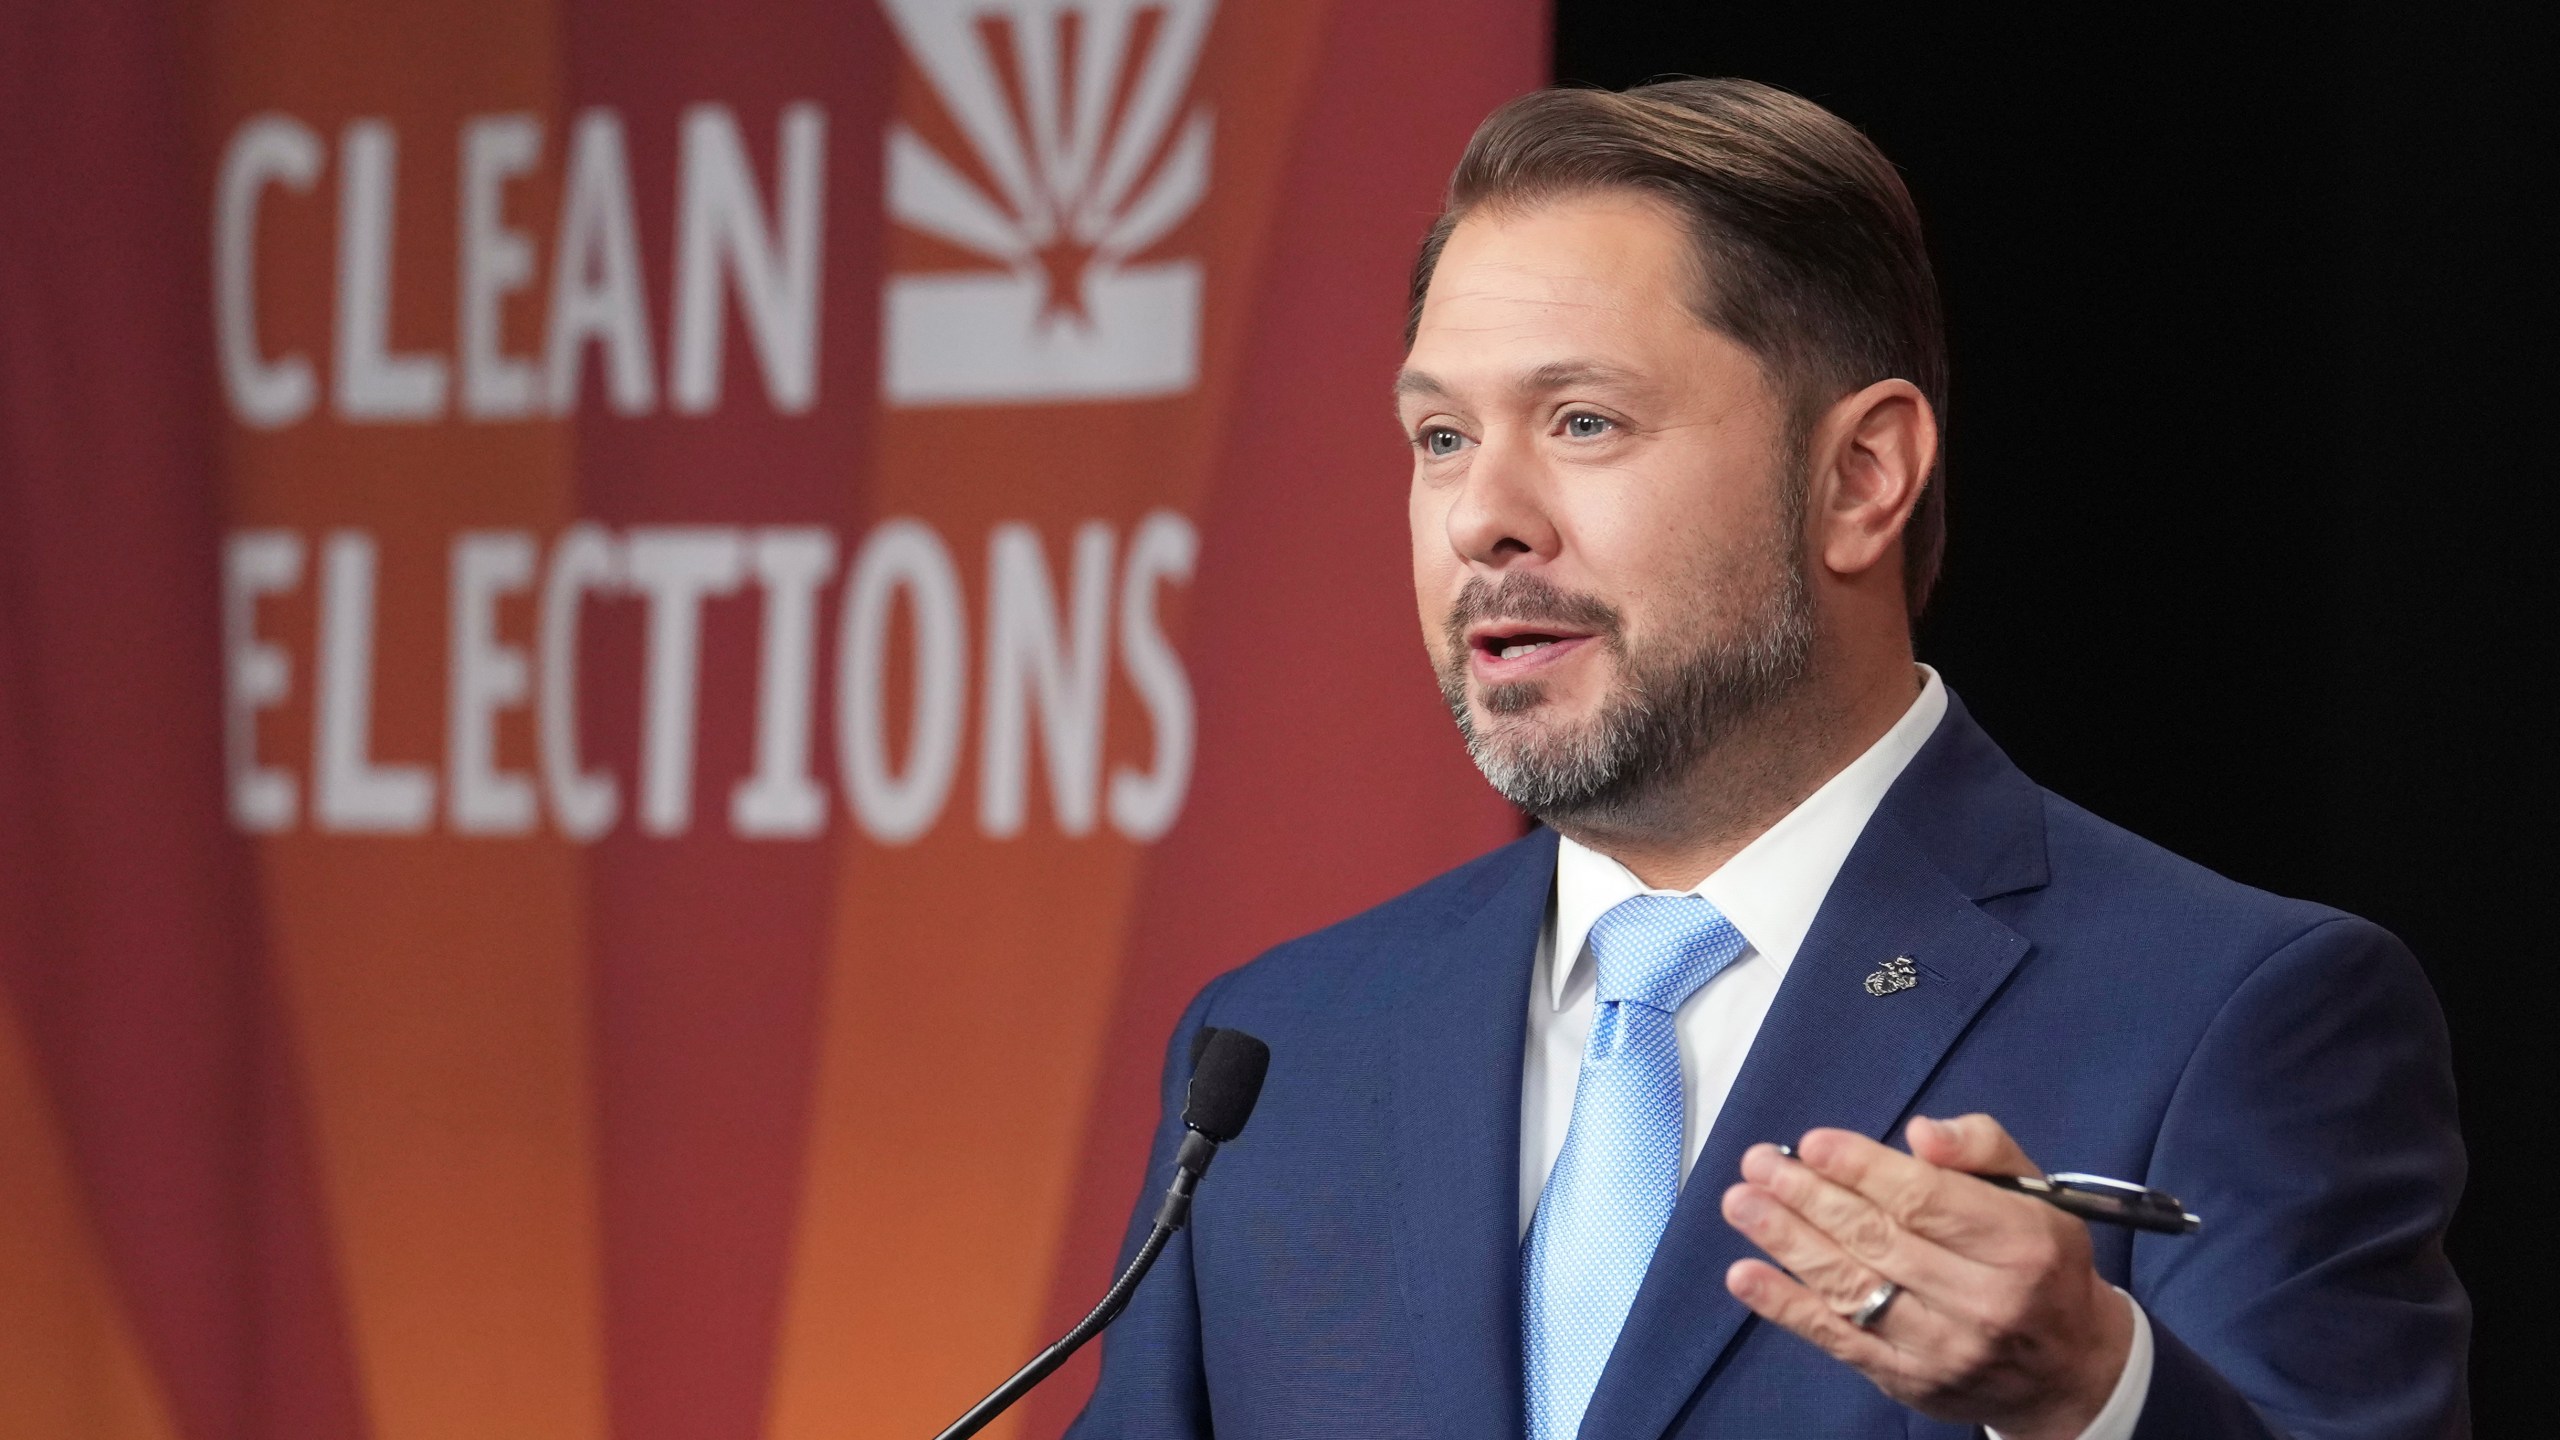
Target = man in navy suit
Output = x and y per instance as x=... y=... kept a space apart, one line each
x=1672 y=388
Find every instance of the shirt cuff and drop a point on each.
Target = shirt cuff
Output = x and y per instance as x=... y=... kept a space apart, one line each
x=2123 y=1411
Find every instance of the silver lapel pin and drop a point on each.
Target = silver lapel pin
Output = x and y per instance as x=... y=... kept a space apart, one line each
x=1899 y=973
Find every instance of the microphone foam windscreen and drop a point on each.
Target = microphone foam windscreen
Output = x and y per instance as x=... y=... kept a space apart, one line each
x=1225 y=1082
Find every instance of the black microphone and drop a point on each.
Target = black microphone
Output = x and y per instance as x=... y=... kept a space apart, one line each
x=1227 y=1067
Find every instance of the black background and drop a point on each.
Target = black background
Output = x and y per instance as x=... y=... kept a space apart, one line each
x=2251 y=426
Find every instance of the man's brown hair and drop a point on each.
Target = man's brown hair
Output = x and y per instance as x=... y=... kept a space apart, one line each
x=1808 y=245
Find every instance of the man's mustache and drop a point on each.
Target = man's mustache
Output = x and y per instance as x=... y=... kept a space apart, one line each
x=1529 y=600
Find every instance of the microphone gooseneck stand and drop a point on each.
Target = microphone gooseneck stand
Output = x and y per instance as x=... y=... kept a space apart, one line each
x=1226 y=1079
x=1176 y=1213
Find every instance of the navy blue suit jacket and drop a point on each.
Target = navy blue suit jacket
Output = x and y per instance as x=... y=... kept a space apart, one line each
x=1352 y=1267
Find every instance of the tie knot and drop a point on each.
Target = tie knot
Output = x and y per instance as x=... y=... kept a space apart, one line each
x=1656 y=950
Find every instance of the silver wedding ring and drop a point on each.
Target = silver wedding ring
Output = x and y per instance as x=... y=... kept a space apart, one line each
x=1866 y=1315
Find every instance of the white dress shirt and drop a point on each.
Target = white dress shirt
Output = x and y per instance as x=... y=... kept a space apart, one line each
x=1770 y=890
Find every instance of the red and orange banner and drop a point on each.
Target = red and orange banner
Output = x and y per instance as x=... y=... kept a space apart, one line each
x=644 y=651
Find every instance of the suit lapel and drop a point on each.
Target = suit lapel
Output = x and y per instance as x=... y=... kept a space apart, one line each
x=1830 y=1053
x=1456 y=1170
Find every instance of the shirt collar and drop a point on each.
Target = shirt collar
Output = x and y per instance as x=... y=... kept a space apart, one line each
x=1771 y=888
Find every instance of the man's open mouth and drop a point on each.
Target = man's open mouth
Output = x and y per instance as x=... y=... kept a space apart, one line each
x=1511 y=644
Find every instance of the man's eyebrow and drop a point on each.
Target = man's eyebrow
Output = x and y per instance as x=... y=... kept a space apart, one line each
x=1561 y=374
x=1554 y=375
x=1415 y=382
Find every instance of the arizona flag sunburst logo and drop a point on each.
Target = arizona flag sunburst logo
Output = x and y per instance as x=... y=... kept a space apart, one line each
x=1082 y=156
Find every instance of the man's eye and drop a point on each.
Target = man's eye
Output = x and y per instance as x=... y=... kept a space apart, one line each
x=1586 y=427
x=1440 y=441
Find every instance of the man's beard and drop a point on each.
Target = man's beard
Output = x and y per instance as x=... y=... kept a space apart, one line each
x=1670 y=706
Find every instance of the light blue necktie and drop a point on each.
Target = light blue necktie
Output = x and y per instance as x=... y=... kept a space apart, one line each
x=1613 y=1187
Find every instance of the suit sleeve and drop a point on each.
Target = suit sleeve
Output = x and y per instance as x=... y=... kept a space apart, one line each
x=1152 y=1384
x=2314 y=1130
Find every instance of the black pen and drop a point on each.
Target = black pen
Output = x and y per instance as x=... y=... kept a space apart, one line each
x=2095 y=1197
x=2109 y=1202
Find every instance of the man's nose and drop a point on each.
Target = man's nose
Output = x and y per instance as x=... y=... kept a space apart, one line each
x=1500 y=517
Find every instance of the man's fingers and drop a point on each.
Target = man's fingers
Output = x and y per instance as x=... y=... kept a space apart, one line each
x=1976 y=1144
x=1997 y=1286
x=1813 y=1257
x=1918 y=1195
x=1781 y=1301
x=1857 y=1225
x=1942 y=1204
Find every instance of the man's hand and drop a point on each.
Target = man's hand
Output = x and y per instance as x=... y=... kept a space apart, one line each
x=2002 y=1320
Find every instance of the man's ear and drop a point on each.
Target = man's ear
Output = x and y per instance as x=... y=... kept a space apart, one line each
x=1871 y=453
